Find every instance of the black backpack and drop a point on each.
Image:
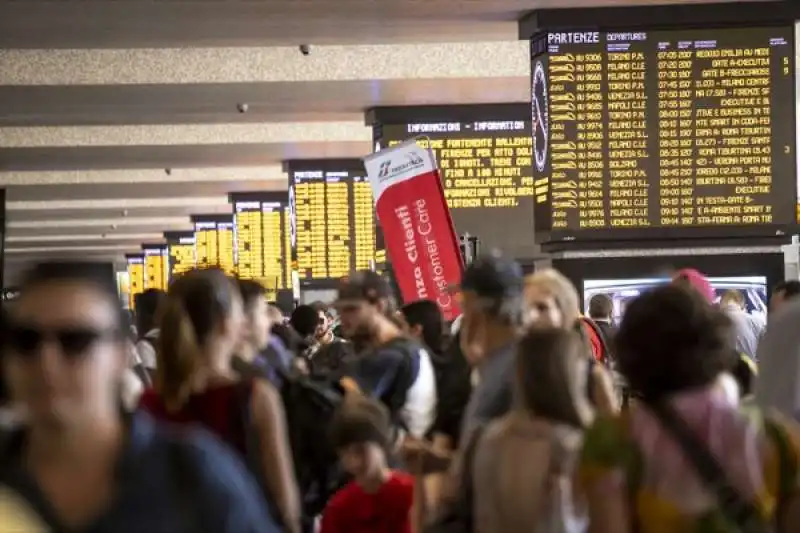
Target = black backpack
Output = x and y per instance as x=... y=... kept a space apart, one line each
x=395 y=398
x=309 y=407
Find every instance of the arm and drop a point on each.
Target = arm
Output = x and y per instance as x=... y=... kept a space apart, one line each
x=269 y=420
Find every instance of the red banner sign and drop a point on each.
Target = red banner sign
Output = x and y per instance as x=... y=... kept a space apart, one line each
x=420 y=239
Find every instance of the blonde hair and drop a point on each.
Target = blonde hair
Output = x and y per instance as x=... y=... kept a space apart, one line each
x=562 y=290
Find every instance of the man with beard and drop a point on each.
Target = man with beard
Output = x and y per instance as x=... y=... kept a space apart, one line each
x=325 y=353
x=389 y=366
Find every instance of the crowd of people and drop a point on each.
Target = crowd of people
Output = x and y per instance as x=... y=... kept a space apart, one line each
x=213 y=412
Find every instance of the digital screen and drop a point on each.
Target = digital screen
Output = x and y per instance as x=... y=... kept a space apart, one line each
x=487 y=173
x=333 y=221
x=181 y=252
x=663 y=129
x=226 y=247
x=136 y=277
x=214 y=242
x=623 y=291
x=263 y=250
x=156 y=267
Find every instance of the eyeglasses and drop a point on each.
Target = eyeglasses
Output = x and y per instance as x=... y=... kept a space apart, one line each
x=26 y=341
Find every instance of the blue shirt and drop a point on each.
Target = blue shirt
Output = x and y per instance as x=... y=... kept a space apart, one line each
x=167 y=484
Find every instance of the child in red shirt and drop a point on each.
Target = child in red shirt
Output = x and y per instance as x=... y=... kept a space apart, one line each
x=378 y=500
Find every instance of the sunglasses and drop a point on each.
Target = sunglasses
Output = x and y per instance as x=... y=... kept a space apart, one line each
x=74 y=342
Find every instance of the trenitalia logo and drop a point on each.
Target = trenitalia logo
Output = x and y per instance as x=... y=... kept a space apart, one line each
x=384 y=170
x=412 y=161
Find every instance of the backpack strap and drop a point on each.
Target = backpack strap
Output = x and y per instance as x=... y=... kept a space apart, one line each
x=404 y=379
x=591 y=324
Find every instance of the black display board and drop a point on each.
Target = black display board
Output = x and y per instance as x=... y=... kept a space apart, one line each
x=136 y=277
x=334 y=230
x=262 y=237
x=484 y=155
x=664 y=134
x=180 y=252
x=214 y=242
x=156 y=266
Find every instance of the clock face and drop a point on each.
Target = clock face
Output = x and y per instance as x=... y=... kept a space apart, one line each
x=539 y=115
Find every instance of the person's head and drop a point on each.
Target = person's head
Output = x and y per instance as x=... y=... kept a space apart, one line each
x=601 y=307
x=695 y=280
x=325 y=319
x=201 y=327
x=784 y=291
x=364 y=301
x=147 y=305
x=306 y=321
x=424 y=321
x=256 y=324
x=361 y=434
x=552 y=374
x=670 y=340
x=551 y=300
x=275 y=314
x=732 y=297
x=65 y=345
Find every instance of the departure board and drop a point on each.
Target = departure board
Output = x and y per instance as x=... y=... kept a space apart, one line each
x=136 y=277
x=263 y=250
x=156 y=266
x=678 y=130
x=181 y=252
x=214 y=242
x=486 y=169
x=333 y=221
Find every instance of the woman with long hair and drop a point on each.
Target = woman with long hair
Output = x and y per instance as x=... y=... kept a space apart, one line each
x=552 y=302
x=523 y=463
x=200 y=327
x=79 y=462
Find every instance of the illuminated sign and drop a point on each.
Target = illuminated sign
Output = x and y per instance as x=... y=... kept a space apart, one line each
x=333 y=220
x=263 y=252
x=486 y=166
x=663 y=129
x=180 y=252
x=136 y=277
x=156 y=266
x=214 y=242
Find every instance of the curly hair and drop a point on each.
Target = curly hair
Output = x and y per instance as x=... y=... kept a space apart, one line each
x=670 y=340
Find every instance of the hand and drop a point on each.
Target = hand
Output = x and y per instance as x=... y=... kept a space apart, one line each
x=349 y=385
x=422 y=458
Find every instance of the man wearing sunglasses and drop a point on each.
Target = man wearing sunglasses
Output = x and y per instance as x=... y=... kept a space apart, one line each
x=79 y=463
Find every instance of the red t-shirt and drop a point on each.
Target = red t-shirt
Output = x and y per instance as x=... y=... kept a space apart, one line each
x=353 y=510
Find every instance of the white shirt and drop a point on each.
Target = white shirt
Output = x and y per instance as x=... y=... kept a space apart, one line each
x=419 y=411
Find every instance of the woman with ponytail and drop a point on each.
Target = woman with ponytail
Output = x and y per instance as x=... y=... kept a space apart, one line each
x=552 y=302
x=201 y=324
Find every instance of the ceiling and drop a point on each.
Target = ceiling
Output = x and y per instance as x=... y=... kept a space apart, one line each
x=118 y=119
